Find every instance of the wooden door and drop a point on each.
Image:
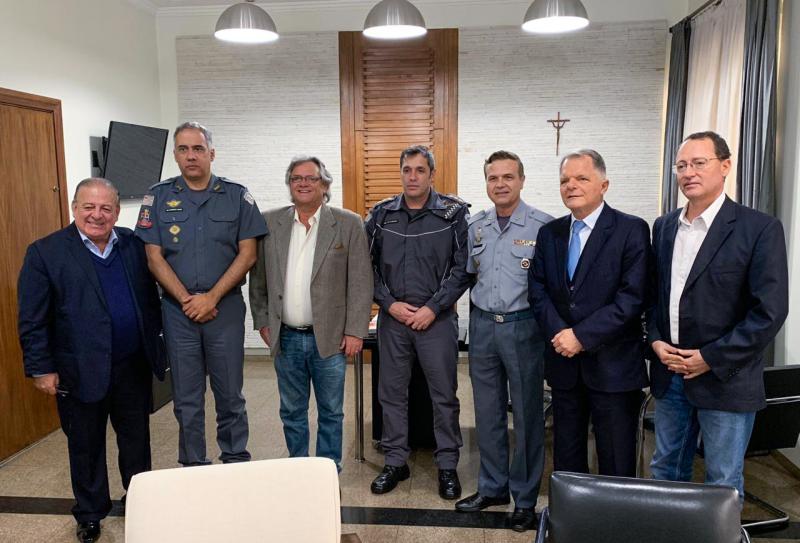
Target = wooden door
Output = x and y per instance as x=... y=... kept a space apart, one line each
x=395 y=94
x=32 y=204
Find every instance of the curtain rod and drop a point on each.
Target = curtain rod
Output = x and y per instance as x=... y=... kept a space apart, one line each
x=698 y=11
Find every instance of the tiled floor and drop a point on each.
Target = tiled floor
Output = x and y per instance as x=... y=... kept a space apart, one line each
x=42 y=471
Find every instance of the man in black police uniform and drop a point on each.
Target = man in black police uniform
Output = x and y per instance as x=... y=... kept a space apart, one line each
x=418 y=245
x=200 y=232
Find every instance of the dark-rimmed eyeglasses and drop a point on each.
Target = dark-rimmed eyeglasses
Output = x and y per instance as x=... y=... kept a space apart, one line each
x=310 y=179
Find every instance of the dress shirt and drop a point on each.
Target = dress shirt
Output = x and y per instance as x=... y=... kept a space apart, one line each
x=590 y=221
x=688 y=240
x=112 y=240
x=297 y=294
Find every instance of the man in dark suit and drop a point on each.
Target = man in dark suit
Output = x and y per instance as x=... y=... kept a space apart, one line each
x=587 y=287
x=89 y=325
x=722 y=295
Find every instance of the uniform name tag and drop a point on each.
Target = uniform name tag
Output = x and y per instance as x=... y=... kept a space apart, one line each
x=525 y=242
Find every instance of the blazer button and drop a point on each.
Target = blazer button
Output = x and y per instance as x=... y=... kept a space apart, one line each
x=572 y=306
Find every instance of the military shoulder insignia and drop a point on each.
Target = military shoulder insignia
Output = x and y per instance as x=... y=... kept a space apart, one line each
x=525 y=242
x=148 y=200
x=144 y=219
x=249 y=198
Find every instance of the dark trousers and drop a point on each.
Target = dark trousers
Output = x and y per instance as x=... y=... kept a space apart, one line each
x=614 y=417
x=436 y=348
x=127 y=403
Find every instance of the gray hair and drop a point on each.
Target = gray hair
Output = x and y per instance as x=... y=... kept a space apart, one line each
x=325 y=176
x=194 y=125
x=597 y=160
x=418 y=150
x=96 y=182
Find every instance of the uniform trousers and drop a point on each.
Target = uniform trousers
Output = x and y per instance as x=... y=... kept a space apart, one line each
x=508 y=357
x=127 y=404
x=436 y=348
x=215 y=348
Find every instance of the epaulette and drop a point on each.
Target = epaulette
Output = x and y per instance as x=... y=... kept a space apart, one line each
x=476 y=217
x=165 y=182
x=454 y=207
x=377 y=205
x=226 y=180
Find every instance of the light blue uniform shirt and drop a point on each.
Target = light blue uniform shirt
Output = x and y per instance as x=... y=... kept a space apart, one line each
x=501 y=259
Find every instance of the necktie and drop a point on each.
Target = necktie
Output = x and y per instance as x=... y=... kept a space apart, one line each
x=574 y=252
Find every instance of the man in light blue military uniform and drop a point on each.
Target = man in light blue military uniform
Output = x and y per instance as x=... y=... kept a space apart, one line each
x=200 y=232
x=505 y=348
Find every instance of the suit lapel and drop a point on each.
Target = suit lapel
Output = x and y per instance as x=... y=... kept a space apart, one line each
x=283 y=236
x=720 y=229
x=326 y=232
x=561 y=241
x=84 y=259
x=597 y=238
x=666 y=248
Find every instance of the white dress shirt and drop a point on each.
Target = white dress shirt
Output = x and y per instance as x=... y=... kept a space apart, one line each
x=297 y=292
x=112 y=240
x=688 y=240
x=589 y=221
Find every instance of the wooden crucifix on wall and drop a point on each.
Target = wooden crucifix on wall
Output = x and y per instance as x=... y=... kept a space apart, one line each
x=558 y=123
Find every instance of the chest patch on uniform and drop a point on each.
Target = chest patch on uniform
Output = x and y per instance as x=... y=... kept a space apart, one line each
x=173 y=203
x=174 y=229
x=249 y=198
x=148 y=200
x=144 y=219
x=525 y=242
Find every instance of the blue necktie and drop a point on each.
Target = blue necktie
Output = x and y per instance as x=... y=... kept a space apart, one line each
x=574 y=252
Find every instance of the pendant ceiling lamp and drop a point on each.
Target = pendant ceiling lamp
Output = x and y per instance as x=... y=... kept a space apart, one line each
x=245 y=22
x=554 y=16
x=394 y=20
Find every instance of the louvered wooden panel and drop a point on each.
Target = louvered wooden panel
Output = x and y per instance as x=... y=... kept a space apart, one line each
x=394 y=95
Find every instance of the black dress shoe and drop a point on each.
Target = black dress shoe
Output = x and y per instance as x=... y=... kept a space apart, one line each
x=449 y=485
x=524 y=518
x=88 y=532
x=478 y=502
x=388 y=478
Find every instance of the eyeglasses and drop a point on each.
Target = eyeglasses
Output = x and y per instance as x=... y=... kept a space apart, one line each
x=310 y=179
x=697 y=163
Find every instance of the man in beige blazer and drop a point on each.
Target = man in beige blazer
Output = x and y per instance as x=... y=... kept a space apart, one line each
x=310 y=297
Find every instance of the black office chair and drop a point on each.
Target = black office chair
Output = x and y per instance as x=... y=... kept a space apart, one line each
x=601 y=509
x=776 y=427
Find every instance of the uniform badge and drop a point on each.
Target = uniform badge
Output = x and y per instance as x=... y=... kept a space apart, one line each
x=525 y=263
x=525 y=242
x=173 y=203
x=478 y=235
x=249 y=198
x=217 y=187
x=144 y=219
x=175 y=239
x=174 y=229
x=148 y=200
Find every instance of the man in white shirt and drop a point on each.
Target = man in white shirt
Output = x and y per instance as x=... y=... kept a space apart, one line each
x=721 y=297
x=310 y=303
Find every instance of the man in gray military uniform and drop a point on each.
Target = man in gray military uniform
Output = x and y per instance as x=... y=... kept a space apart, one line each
x=200 y=232
x=418 y=245
x=506 y=347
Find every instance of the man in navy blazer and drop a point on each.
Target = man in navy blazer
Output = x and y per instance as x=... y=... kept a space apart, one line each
x=722 y=295
x=89 y=325
x=587 y=287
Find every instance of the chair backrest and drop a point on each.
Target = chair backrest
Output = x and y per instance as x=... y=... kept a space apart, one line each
x=288 y=499
x=778 y=426
x=599 y=509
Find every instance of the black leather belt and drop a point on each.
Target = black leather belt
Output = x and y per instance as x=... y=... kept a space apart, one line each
x=506 y=317
x=308 y=329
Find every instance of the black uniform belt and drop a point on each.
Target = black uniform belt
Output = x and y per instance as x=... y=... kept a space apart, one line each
x=307 y=329
x=506 y=317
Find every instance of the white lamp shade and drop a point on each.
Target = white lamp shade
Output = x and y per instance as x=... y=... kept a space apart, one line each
x=554 y=16
x=245 y=23
x=394 y=19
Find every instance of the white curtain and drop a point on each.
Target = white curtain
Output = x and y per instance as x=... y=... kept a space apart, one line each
x=714 y=88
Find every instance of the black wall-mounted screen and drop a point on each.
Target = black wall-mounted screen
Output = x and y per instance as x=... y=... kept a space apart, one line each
x=134 y=157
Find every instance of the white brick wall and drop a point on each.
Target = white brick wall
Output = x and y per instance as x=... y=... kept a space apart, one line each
x=267 y=103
